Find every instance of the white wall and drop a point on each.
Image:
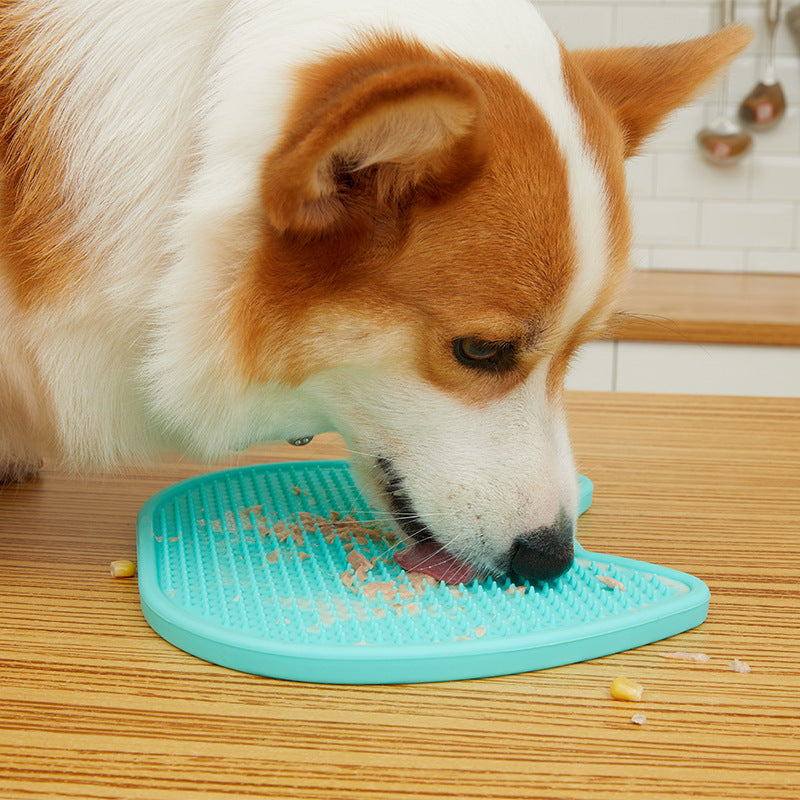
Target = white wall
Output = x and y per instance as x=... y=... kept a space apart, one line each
x=689 y=368
x=688 y=214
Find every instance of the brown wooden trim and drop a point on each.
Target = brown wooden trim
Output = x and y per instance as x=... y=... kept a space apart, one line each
x=728 y=308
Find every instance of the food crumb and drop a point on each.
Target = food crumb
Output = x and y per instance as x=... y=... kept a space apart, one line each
x=419 y=581
x=406 y=593
x=626 y=689
x=387 y=589
x=347 y=579
x=638 y=719
x=282 y=531
x=360 y=564
x=739 y=666
x=122 y=569
x=611 y=583
x=695 y=658
x=272 y=558
x=412 y=609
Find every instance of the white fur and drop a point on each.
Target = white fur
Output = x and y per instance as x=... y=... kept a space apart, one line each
x=172 y=108
x=136 y=71
x=251 y=82
x=478 y=476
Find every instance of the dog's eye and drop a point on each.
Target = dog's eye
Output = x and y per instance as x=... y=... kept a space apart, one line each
x=493 y=356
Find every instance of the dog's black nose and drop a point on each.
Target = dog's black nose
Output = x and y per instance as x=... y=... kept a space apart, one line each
x=545 y=553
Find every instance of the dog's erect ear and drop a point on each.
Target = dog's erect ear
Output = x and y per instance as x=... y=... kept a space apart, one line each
x=642 y=85
x=370 y=140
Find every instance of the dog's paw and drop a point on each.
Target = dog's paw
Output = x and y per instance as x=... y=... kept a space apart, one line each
x=12 y=471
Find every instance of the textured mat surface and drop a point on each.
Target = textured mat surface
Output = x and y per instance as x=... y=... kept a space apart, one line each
x=280 y=570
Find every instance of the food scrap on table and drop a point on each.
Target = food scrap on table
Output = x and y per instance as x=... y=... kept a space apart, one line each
x=695 y=658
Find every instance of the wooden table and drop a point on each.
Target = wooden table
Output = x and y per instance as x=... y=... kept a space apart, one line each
x=93 y=704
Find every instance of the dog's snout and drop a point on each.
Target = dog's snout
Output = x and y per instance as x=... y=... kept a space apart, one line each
x=545 y=553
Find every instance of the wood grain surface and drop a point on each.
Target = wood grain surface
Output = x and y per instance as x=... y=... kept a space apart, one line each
x=711 y=307
x=93 y=704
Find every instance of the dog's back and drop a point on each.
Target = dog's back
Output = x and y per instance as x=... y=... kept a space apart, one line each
x=133 y=136
x=98 y=103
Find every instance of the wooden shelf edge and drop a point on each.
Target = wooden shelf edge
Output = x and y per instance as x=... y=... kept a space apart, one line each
x=711 y=308
x=706 y=332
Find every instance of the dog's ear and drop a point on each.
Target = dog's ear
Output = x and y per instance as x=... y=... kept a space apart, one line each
x=370 y=142
x=642 y=85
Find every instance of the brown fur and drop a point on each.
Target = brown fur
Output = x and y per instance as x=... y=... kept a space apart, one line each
x=641 y=85
x=413 y=197
x=370 y=240
x=623 y=95
x=42 y=260
x=385 y=252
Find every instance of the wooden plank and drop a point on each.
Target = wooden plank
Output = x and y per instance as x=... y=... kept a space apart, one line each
x=726 y=308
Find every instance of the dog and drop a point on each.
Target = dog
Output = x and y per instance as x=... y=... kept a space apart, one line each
x=232 y=221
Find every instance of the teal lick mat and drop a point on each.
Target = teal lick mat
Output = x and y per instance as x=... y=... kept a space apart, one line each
x=279 y=570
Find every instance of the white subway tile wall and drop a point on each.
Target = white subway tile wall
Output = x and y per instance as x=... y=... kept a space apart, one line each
x=686 y=368
x=689 y=215
x=594 y=367
x=706 y=369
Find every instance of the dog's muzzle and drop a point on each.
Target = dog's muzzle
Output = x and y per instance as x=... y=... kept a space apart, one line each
x=540 y=555
x=545 y=553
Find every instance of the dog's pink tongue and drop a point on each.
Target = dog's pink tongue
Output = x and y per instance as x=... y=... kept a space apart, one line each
x=428 y=557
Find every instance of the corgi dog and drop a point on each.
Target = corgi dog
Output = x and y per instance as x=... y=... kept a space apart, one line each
x=232 y=221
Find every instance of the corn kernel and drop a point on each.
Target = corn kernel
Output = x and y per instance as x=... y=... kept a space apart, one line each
x=122 y=569
x=626 y=689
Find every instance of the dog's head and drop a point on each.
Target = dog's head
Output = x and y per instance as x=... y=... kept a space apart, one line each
x=439 y=239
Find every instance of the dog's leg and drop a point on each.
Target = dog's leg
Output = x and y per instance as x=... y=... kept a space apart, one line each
x=13 y=471
x=25 y=429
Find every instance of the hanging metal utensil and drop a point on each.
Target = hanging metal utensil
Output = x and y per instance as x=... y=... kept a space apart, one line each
x=793 y=21
x=766 y=104
x=723 y=142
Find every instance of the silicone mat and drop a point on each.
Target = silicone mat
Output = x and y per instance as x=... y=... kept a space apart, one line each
x=279 y=570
